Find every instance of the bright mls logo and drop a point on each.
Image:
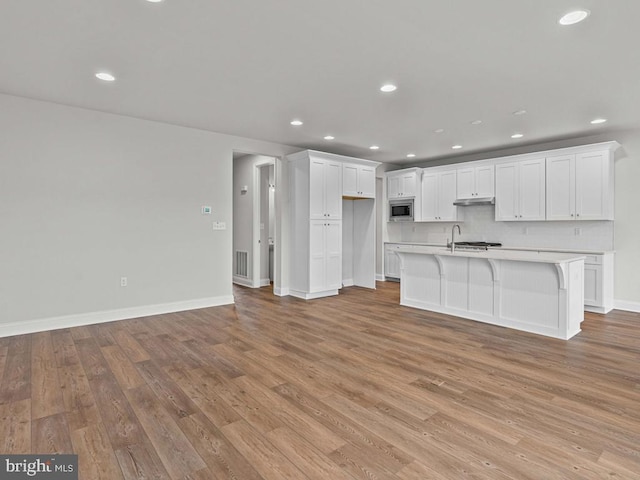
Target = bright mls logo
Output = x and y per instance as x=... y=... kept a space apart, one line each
x=41 y=467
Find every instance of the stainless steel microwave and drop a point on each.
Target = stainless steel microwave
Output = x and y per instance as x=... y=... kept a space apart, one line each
x=401 y=210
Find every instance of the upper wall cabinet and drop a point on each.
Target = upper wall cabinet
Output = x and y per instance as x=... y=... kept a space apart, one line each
x=358 y=181
x=438 y=195
x=580 y=186
x=403 y=183
x=475 y=182
x=520 y=190
x=325 y=189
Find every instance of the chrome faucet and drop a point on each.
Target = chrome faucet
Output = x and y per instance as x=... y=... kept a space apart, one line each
x=453 y=238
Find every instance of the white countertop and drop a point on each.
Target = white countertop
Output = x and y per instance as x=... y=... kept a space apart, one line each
x=494 y=254
x=505 y=247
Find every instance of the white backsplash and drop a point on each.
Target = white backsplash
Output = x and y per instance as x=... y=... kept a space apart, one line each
x=477 y=223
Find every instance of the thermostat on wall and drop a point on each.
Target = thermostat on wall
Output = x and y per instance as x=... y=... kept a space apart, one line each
x=206 y=210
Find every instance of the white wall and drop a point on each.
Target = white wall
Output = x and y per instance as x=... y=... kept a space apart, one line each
x=623 y=234
x=88 y=197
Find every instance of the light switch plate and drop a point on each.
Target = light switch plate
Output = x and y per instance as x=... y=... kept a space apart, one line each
x=219 y=226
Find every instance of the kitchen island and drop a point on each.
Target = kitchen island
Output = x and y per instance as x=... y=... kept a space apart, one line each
x=538 y=292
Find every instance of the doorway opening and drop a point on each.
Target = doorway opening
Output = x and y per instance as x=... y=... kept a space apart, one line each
x=255 y=240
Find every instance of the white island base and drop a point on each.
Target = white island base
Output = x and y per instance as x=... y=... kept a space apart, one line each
x=538 y=292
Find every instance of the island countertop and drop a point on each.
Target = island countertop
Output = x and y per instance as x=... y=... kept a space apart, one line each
x=508 y=247
x=494 y=254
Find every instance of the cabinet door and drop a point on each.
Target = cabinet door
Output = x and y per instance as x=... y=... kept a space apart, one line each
x=531 y=200
x=408 y=184
x=484 y=181
x=429 y=198
x=350 y=180
x=593 y=285
x=391 y=264
x=333 y=255
x=367 y=182
x=316 y=189
x=592 y=185
x=507 y=192
x=466 y=182
x=393 y=186
x=317 y=262
x=561 y=187
x=333 y=190
x=447 y=211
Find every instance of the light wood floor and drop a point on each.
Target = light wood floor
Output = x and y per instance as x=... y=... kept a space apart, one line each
x=349 y=387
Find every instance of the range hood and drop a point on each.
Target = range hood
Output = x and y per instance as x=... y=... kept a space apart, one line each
x=467 y=202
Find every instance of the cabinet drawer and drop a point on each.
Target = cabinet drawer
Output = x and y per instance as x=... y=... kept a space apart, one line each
x=593 y=259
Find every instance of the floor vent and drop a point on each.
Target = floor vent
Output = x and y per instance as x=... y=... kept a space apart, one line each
x=241 y=263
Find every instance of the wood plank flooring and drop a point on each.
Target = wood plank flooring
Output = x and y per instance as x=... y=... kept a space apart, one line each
x=348 y=387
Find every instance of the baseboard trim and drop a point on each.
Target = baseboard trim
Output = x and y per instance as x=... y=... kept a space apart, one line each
x=348 y=282
x=312 y=296
x=69 y=321
x=380 y=277
x=245 y=282
x=628 y=306
x=281 y=292
x=265 y=282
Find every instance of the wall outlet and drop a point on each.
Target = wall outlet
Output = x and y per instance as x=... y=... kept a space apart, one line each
x=577 y=231
x=219 y=226
x=525 y=230
x=123 y=281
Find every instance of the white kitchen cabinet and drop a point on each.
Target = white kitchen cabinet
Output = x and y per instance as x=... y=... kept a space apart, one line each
x=475 y=181
x=520 y=191
x=438 y=195
x=580 y=186
x=325 y=256
x=403 y=183
x=358 y=181
x=598 y=282
x=391 y=262
x=325 y=189
x=316 y=224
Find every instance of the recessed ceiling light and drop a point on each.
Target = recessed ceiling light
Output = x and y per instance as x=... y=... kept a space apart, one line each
x=476 y=122
x=154 y=1
x=296 y=123
x=439 y=130
x=517 y=135
x=519 y=112
x=107 y=77
x=388 y=88
x=374 y=147
x=574 y=17
x=596 y=121
x=411 y=155
x=457 y=147
x=329 y=137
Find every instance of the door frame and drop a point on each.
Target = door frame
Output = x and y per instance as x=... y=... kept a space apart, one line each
x=255 y=230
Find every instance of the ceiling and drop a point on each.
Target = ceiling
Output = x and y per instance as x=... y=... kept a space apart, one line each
x=249 y=67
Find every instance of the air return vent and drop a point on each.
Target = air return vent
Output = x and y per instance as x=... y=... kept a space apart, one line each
x=241 y=263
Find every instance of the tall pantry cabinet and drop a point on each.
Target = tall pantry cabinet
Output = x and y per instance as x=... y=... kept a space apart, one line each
x=318 y=227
